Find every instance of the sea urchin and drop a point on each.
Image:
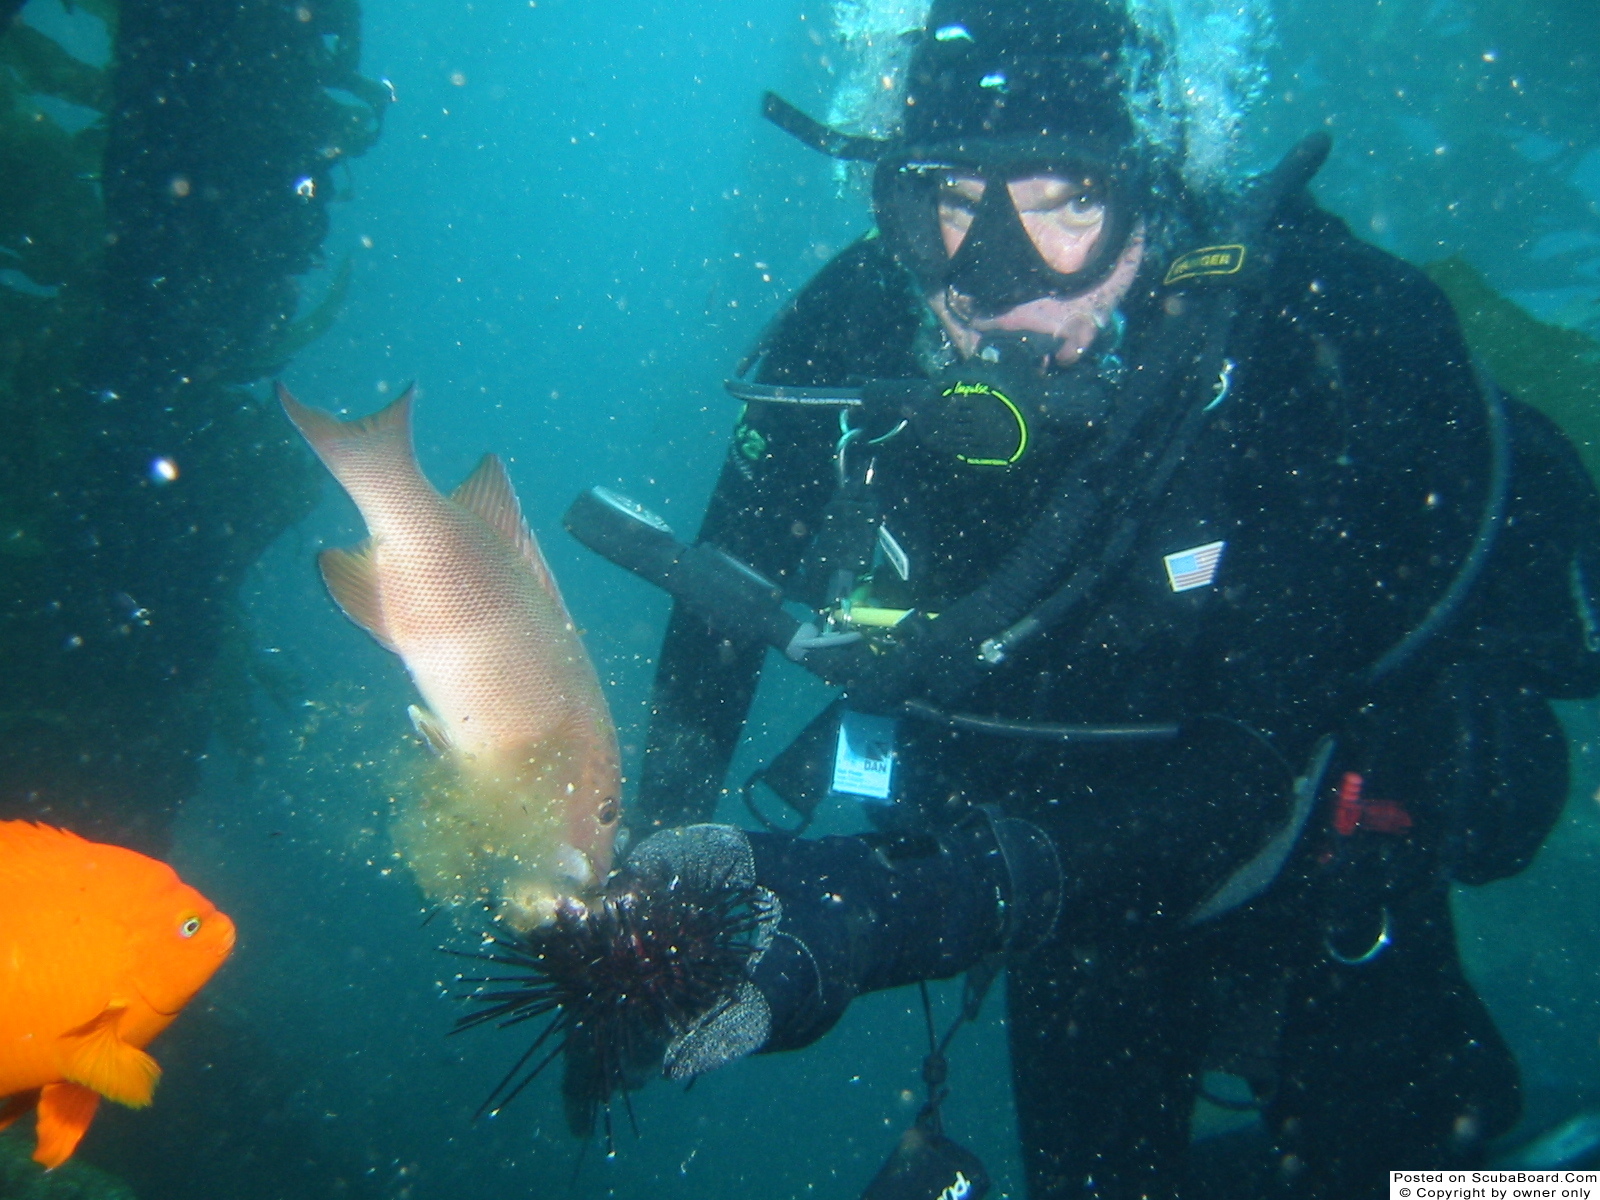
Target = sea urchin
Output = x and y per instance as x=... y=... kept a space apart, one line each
x=623 y=974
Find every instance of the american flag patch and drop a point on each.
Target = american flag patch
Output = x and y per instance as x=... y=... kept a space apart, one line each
x=1193 y=568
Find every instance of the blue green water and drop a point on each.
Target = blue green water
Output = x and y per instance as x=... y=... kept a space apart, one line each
x=572 y=226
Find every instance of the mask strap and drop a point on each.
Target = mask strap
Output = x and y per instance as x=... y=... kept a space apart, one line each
x=824 y=138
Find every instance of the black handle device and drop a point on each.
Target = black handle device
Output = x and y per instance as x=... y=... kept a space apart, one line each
x=735 y=599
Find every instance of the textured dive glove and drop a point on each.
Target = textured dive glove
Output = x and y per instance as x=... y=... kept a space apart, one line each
x=845 y=915
x=707 y=858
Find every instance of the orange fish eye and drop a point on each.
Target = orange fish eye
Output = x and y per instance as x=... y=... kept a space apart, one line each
x=190 y=927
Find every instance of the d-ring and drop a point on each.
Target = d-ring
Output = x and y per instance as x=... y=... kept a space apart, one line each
x=1382 y=943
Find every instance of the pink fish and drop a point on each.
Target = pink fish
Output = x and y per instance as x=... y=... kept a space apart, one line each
x=456 y=586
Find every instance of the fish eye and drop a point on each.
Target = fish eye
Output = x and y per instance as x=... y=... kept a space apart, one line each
x=190 y=927
x=609 y=811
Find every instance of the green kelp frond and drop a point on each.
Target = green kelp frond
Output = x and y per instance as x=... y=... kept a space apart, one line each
x=52 y=239
x=43 y=66
x=1554 y=369
x=51 y=221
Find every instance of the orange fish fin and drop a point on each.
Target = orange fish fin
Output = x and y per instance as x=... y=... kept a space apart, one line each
x=488 y=493
x=65 y=1110
x=15 y=1106
x=24 y=842
x=352 y=579
x=98 y=1058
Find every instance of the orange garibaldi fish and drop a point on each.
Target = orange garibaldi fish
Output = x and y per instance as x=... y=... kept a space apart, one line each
x=100 y=948
x=457 y=587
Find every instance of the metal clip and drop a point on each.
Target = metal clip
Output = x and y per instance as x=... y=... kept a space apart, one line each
x=1224 y=384
x=1379 y=945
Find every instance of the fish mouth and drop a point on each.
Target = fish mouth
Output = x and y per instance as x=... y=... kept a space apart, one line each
x=159 y=1009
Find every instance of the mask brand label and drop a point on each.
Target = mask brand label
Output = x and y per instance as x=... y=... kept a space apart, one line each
x=863 y=760
x=1193 y=568
x=1208 y=260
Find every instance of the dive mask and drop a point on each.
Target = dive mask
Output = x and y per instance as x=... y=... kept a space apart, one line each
x=997 y=265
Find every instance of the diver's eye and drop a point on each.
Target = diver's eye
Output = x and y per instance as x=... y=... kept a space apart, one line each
x=190 y=927
x=1084 y=208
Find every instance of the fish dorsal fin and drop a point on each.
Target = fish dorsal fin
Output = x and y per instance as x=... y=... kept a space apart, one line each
x=352 y=579
x=488 y=493
x=65 y=1110
x=98 y=1058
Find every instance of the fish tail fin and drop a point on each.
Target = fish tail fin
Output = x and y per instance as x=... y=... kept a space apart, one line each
x=377 y=445
x=65 y=1110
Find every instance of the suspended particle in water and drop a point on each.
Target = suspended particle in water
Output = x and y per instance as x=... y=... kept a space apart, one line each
x=163 y=471
x=305 y=187
x=180 y=187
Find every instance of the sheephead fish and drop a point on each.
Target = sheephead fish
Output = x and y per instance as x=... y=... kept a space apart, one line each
x=100 y=948
x=456 y=586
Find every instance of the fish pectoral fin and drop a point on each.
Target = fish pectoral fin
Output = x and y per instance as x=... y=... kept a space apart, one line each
x=15 y=1106
x=431 y=730
x=99 y=1059
x=488 y=494
x=352 y=579
x=65 y=1110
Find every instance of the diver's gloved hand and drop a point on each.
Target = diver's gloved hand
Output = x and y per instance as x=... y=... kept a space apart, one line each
x=716 y=860
x=846 y=915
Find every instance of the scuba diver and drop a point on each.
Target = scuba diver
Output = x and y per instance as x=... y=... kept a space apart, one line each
x=1194 y=602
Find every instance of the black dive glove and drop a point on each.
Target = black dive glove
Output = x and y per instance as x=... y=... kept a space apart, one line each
x=847 y=915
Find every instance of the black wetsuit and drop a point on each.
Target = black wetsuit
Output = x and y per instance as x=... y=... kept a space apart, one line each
x=1349 y=474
